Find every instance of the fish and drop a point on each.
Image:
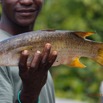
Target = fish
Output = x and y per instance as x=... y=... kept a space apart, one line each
x=70 y=45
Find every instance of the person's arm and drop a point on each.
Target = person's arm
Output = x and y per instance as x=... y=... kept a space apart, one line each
x=34 y=76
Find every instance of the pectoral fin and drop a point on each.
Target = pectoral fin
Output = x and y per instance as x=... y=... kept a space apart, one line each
x=76 y=63
x=84 y=34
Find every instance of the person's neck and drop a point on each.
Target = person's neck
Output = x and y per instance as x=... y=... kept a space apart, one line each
x=13 y=29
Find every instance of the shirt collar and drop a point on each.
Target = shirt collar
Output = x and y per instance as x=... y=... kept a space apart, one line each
x=4 y=35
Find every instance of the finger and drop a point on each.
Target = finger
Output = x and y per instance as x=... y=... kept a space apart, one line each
x=23 y=61
x=52 y=59
x=45 y=53
x=35 y=62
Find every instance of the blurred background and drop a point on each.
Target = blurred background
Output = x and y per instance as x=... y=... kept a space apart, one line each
x=83 y=15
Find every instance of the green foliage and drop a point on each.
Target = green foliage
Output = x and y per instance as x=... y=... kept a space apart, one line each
x=85 y=15
x=78 y=83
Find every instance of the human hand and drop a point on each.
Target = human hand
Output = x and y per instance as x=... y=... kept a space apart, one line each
x=34 y=77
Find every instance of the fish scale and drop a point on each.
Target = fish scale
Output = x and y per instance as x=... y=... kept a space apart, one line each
x=70 y=45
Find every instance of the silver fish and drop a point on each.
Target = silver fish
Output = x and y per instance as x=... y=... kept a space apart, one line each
x=71 y=45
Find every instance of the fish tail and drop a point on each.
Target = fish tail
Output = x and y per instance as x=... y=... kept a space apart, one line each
x=99 y=56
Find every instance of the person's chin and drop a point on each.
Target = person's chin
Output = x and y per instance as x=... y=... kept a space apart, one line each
x=25 y=22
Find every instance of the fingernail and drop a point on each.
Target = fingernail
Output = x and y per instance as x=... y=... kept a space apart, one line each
x=38 y=52
x=48 y=45
x=25 y=52
x=55 y=52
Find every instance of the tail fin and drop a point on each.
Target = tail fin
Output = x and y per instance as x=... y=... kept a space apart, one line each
x=99 y=57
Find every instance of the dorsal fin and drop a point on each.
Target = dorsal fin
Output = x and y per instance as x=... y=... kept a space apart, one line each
x=84 y=34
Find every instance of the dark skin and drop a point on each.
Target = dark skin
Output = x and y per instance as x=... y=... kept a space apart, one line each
x=19 y=16
x=34 y=77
